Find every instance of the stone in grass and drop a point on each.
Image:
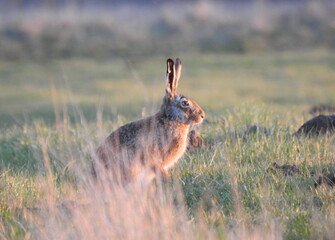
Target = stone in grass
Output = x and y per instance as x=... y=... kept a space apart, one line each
x=319 y=125
x=322 y=108
x=317 y=202
x=256 y=129
x=327 y=177
x=195 y=140
x=286 y=169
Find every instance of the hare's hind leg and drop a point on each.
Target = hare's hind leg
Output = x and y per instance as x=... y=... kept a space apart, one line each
x=148 y=174
x=145 y=177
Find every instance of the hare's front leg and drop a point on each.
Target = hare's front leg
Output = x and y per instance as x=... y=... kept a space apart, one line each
x=160 y=173
x=164 y=174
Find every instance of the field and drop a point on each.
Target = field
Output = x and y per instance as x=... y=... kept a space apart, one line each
x=69 y=78
x=53 y=116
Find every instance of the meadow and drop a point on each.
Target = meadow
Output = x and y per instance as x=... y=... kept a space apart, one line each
x=69 y=78
x=54 y=115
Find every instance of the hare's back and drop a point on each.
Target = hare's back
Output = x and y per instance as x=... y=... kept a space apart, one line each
x=130 y=137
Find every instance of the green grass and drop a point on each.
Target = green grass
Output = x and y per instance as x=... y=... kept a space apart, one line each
x=225 y=191
x=218 y=82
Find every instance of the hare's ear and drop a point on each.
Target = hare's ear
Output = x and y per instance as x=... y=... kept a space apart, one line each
x=170 y=90
x=177 y=74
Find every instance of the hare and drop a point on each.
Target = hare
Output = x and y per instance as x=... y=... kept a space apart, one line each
x=148 y=148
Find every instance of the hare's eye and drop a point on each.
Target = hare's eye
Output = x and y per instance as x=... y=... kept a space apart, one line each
x=185 y=103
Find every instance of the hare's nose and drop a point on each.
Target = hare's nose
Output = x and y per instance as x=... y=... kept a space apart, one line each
x=202 y=114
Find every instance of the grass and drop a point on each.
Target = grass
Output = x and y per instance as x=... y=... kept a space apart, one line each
x=123 y=87
x=54 y=114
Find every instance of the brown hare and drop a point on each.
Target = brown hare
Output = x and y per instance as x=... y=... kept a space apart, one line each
x=142 y=150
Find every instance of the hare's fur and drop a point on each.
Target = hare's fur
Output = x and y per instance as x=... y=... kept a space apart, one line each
x=147 y=148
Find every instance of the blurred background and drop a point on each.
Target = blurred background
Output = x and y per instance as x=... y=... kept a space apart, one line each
x=44 y=29
x=111 y=54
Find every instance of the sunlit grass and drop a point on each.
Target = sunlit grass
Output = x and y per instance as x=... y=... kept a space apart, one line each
x=223 y=191
x=216 y=81
x=225 y=188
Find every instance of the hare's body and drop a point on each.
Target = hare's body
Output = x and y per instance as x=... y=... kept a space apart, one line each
x=151 y=145
x=148 y=147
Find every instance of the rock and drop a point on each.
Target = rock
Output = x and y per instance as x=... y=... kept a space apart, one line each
x=254 y=129
x=286 y=169
x=317 y=202
x=327 y=177
x=321 y=124
x=195 y=140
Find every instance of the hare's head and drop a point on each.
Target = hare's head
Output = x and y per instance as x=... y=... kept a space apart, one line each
x=175 y=106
